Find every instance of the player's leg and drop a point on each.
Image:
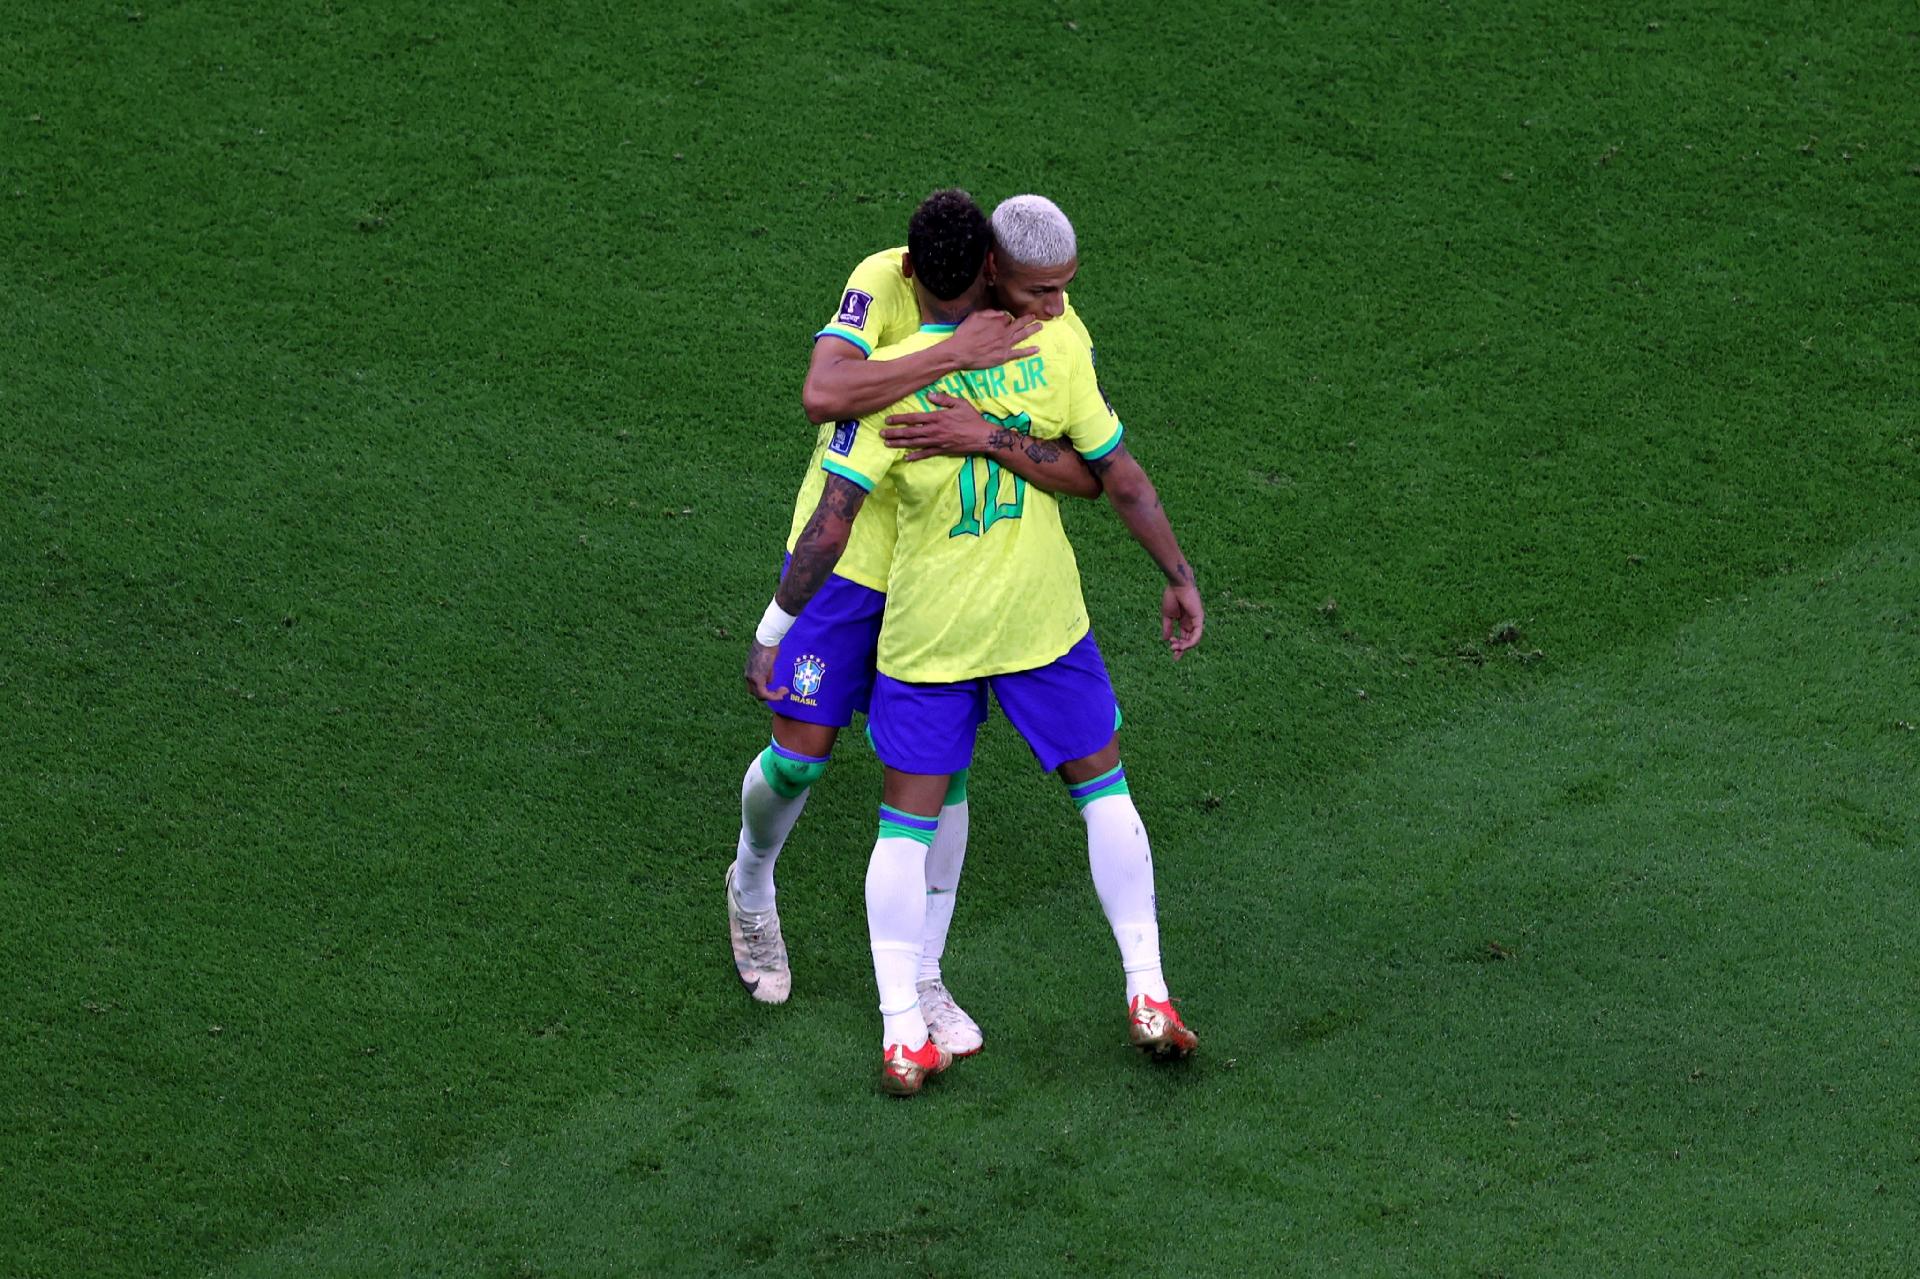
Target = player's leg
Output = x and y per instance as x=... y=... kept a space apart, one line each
x=772 y=794
x=826 y=664
x=949 y=1023
x=1122 y=863
x=896 y=917
x=1067 y=713
x=923 y=735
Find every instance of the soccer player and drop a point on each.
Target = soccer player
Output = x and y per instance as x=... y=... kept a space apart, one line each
x=1035 y=255
x=827 y=664
x=984 y=594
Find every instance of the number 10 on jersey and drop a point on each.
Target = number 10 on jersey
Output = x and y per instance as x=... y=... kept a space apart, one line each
x=982 y=503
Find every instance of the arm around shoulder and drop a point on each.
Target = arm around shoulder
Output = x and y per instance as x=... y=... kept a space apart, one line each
x=823 y=395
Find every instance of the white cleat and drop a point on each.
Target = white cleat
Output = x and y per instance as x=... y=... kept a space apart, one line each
x=947 y=1023
x=759 y=952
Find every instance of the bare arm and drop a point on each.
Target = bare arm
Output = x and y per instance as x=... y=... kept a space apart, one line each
x=956 y=429
x=1182 y=617
x=815 y=552
x=842 y=383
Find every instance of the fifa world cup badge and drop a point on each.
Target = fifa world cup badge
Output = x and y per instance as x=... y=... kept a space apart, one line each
x=853 y=309
x=808 y=671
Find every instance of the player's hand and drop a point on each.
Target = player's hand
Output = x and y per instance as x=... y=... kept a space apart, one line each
x=955 y=429
x=1182 y=618
x=760 y=670
x=988 y=339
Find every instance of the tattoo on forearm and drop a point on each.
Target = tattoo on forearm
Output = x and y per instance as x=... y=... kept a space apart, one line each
x=818 y=548
x=1004 y=439
x=843 y=497
x=809 y=568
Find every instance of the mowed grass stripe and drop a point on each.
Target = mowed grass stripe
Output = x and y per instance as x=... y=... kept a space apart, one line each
x=1607 y=977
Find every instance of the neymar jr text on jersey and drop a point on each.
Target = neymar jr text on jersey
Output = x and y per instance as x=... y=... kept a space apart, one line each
x=1025 y=375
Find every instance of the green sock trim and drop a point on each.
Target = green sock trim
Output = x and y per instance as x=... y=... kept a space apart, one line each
x=1118 y=788
x=897 y=824
x=768 y=771
x=789 y=776
x=894 y=830
x=956 y=789
x=1111 y=782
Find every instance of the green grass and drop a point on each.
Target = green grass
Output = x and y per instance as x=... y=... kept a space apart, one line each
x=403 y=411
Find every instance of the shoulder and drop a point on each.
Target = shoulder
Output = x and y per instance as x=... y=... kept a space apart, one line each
x=877 y=300
x=1072 y=319
x=1065 y=341
x=880 y=269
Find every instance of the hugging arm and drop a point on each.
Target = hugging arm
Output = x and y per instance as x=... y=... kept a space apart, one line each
x=843 y=383
x=957 y=429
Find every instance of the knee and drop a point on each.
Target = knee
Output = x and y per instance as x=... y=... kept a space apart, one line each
x=789 y=774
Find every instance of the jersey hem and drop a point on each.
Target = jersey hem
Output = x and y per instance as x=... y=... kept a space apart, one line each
x=867 y=580
x=1086 y=625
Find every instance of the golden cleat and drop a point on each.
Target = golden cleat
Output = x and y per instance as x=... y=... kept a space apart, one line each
x=1154 y=1027
x=904 y=1071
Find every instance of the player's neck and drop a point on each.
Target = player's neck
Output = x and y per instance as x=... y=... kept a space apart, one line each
x=948 y=311
x=934 y=311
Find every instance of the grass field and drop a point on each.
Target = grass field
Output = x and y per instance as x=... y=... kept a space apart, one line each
x=402 y=418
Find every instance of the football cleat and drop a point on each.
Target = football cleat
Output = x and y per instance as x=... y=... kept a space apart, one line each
x=1153 y=1027
x=904 y=1071
x=759 y=952
x=947 y=1022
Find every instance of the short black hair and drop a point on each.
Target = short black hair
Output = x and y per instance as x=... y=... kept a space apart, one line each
x=948 y=237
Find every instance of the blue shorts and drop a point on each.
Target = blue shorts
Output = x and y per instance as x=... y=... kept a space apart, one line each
x=1065 y=710
x=826 y=660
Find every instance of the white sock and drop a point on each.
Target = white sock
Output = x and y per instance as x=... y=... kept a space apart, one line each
x=944 y=860
x=896 y=918
x=766 y=818
x=1122 y=864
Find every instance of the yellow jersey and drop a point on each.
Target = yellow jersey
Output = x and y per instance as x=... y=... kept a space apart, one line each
x=878 y=310
x=983 y=580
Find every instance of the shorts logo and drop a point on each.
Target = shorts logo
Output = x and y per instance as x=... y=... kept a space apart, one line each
x=808 y=671
x=853 y=309
x=842 y=441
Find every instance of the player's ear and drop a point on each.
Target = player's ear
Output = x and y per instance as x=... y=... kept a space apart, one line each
x=992 y=269
x=906 y=264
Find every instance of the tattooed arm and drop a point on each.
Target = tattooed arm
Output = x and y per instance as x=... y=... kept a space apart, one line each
x=820 y=543
x=1182 y=616
x=815 y=553
x=956 y=429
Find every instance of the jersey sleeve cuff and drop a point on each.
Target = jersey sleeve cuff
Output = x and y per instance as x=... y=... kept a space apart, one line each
x=846 y=473
x=1113 y=442
x=831 y=332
